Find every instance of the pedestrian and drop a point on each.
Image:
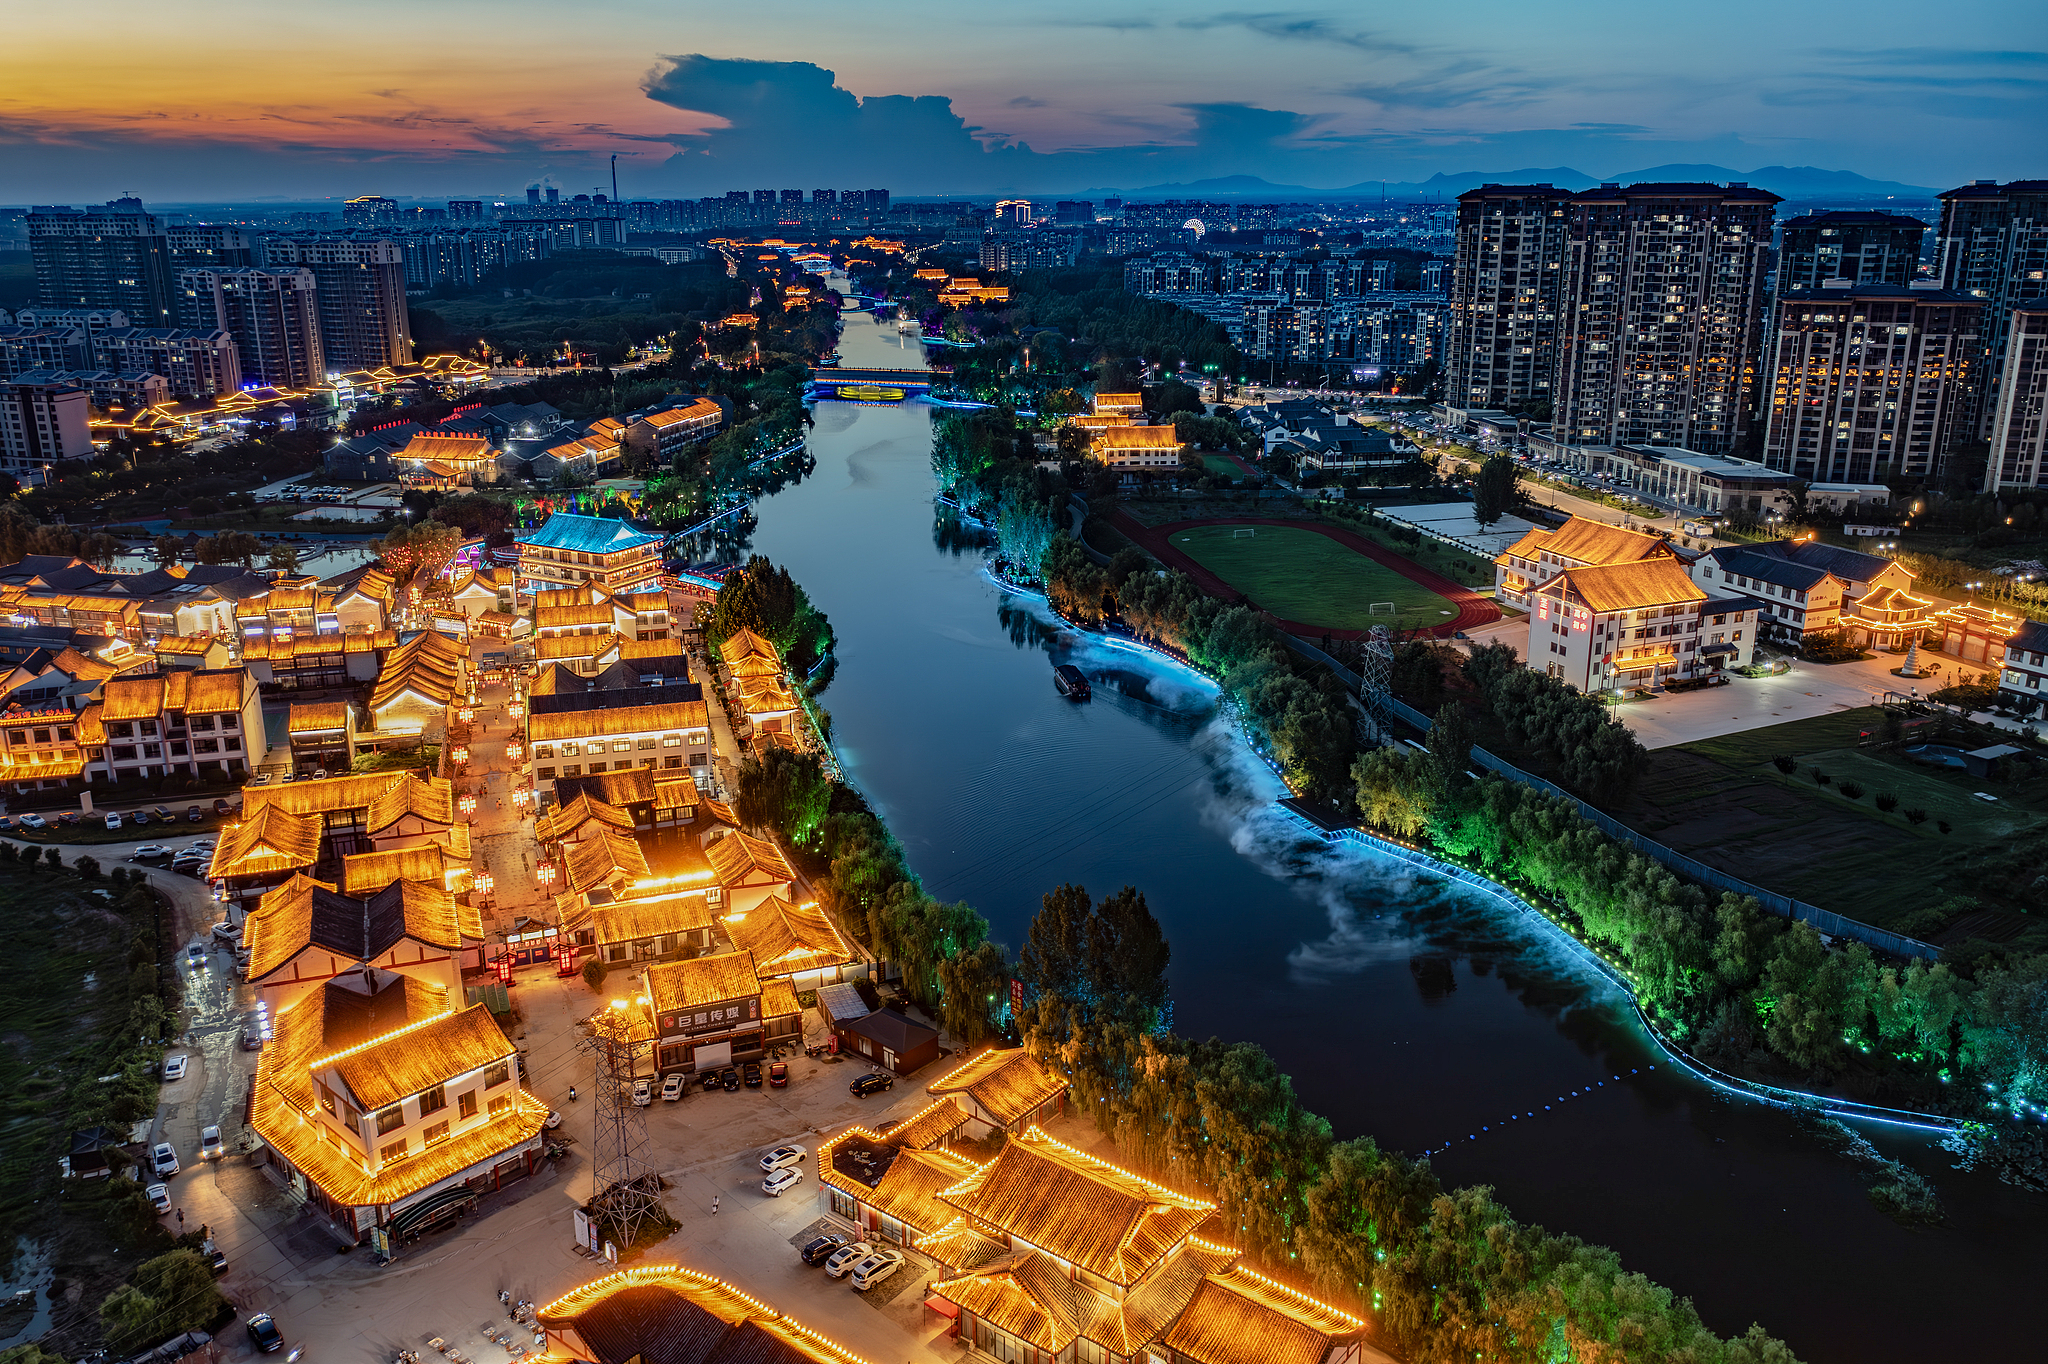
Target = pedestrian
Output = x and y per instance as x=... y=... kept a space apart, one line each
x=181 y=1219
x=714 y=1205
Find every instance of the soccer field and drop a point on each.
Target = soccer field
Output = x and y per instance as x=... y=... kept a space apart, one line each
x=1303 y=576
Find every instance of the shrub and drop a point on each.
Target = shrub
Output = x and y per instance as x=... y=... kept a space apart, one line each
x=1943 y=825
x=54 y=856
x=88 y=868
x=1916 y=815
x=593 y=974
x=1887 y=802
x=1853 y=790
x=1821 y=778
x=1784 y=764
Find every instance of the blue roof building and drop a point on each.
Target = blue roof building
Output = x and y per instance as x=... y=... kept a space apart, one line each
x=570 y=551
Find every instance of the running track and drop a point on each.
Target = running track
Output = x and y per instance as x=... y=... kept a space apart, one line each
x=1473 y=609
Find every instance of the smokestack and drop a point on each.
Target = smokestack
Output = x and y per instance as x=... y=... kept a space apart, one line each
x=615 y=177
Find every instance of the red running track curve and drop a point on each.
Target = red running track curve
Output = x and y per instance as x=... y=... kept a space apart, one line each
x=1473 y=609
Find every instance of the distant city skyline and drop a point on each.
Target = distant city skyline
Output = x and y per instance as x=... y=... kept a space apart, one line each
x=460 y=98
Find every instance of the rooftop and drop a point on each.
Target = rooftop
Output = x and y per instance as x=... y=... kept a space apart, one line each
x=589 y=535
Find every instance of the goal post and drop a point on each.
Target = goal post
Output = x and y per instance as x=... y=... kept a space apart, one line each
x=1244 y=532
x=1384 y=608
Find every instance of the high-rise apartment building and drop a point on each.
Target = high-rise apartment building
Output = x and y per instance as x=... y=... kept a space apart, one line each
x=824 y=196
x=1993 y=245
x=203 y=245
x=42 y=421
x=273 y=313
x=1863 y=248
x=1435 y=275
x=197 y=362
x=465 y=210
x=1504 y=295
x=1869 y=380
x=369 y=210
x=1661 y=315
x=103 y=258
x=360 y=284
x=2019 y=416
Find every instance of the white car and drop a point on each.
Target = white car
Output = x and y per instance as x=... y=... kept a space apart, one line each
x=113 y=820
x=149 y=852
x=159 y=1197
x=781 y=1158
x=174 y=1068
x=227 y=932
x=210 y=1147
x=672 y=1087
x=34 y=822
x=782 y=1181
x=552 y=1121
x=163 y=1158
x=195 y=957
x=643 y=1093
x=877 y=1266
x=844 y=1259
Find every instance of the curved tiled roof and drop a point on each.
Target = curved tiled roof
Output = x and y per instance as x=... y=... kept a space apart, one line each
x=664 y=1314
x=1007 y=1084
x=588 y=535
x=739 y=856
x=421 y=1057
x=1090 y=1213
x=787 y=939
x=702 y=980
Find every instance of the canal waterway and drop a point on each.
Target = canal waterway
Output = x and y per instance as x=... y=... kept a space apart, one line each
x=1404 y=1008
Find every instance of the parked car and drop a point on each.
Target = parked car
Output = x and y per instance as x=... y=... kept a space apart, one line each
x=781 y=1158
x=778 y=1075
x=163 y=813
x=643 y=1093
x=174 y=1067
x=842 y=1261
x=227 y=932
x=33 y=821
x=753 y=1074
x=730 y=1078
x=159 y=1197
x=216 y=1259
x=221 y=807
x=252 y=1039
x=193 y=814
x=163 y=1158
x=210 y=1147
x=264 y=1335
x=708 y=1079
x=262 y=779
x=6 y=823
x=69 y=818
x=113 y=820
x=149 y=852
x=672 y=1087
x=874 y=1082
x=878 y=1265
x=552 y=1121
x=781 y=1182
x=141 y=818
x=822 y=1249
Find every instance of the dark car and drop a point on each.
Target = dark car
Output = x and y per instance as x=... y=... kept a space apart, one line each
x=708 y=1079
x=874 y=1082
x=193 y=814
x=730 y=1078
x=217 y=1260
x=753 y=1074
x=264 y=1335
x=778 y=1075
x=220 y=807
x=820 y=1250
x=69 y=817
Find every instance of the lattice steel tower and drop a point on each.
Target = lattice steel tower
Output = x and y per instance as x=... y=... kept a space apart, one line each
x=625 y=1189
x=1376 y=681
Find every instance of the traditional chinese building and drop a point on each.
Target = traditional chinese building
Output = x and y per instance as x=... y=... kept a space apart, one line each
x=711 y=1012
x=1007 y=1091
x=309 y=827
x=1542 y=554
x=665 y=1314
x=572 y=551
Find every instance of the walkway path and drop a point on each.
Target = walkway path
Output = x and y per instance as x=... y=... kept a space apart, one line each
x=1473 y=609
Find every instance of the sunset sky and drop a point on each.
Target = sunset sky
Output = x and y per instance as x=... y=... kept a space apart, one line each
x=238 y=100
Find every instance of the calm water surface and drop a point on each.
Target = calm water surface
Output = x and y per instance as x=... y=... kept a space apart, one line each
x=1403 y=1009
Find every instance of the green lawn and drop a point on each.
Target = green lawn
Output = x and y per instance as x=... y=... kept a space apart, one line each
x=1308 y=577
x=1220 y=466
x=1725 y=802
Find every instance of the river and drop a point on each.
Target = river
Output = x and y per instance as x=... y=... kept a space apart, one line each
x=1403 y=1009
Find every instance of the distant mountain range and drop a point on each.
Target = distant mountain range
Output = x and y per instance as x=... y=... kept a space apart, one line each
x=1791 y=182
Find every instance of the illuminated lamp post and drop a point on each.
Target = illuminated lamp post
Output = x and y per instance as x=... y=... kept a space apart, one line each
x=545 y=874
x=520 y=798
x=485 y=884
x=466 y=714
x=460 y=753
x=468 y=807
x=515 y=750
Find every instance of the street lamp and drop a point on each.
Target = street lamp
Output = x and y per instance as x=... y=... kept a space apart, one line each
x=467 y=805
x=515 y=751
x=520 y=797
x=545 y=874
x=459 y=753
